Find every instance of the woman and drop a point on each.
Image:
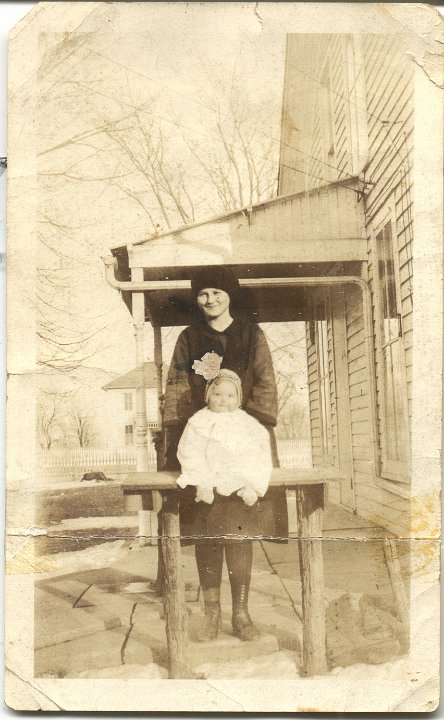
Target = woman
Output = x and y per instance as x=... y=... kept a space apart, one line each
x=227 y=524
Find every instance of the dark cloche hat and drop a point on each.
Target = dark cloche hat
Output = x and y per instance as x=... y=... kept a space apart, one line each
x=215 y=276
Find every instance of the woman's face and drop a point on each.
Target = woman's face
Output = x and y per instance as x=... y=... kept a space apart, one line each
x=213 y=302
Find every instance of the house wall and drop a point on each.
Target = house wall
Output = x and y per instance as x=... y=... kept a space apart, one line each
x=113 y=416
x=365 y=128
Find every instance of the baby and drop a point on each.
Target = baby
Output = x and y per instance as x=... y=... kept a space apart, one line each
x=223 y=447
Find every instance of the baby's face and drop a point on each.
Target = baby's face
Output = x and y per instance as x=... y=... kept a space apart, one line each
x=223 y=397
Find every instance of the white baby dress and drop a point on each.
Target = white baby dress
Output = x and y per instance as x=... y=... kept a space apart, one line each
x=226 y=451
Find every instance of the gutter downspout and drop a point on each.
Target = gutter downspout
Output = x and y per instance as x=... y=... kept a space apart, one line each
x=152 y=285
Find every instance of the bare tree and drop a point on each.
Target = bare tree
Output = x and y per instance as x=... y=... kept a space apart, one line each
x=287 y=343
x=65 y=338
x=135 y=149
x=164 y=195
x=240 y=165
x=81 y=426
x=49 y=417
x=293 y=420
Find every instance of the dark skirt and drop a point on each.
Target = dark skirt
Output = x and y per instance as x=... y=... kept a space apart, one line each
x=229 y=517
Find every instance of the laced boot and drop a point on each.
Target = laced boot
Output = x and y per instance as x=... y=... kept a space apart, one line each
x=242 y=624
x=213 y=618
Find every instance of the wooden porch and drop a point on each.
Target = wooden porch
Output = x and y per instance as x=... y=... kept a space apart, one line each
x=309 y=486
x=281 y=251
x=353 y=565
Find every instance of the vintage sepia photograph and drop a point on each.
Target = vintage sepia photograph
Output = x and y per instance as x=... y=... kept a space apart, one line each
x=224 y=338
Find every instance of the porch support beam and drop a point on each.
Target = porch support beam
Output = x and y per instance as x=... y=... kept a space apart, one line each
x=141 y=419
x=310 y=507
x=110 y=263
x=160 y=453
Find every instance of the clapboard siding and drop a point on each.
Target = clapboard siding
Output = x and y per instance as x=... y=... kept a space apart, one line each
x=342 y=160
x=332 y=384
x=355 y=332
x=387 y=103
x=358 y=377
x=361 y=427
x=356 y=347
x=358 y=384
x=359 y=402
x=318 y=454
x=383 y=508
x=359 y=363
x=313 y=392
x=390 y=156
x=362 y=453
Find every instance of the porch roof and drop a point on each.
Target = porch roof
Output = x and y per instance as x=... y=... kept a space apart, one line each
x=320 y=232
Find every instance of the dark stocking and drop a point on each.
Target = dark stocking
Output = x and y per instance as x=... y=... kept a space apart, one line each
x=239 y=556
x=209 y=558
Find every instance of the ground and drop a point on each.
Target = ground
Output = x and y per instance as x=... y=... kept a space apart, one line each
x=97 y=617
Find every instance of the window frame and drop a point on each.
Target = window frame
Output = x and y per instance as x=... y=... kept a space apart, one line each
x=128 y=401
x=128 y=435
x=327 y=378
x=396 y=472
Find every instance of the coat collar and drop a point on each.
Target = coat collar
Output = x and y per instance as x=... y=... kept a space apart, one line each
x=231 y=330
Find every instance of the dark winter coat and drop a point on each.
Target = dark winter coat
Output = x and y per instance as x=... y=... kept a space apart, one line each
x=245 y=351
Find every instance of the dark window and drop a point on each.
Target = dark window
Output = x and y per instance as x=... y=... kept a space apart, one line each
x=129 y=434
x=393 y=416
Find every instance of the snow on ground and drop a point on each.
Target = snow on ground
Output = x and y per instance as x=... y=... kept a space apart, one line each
x=285 y=664
x=392 y=670
x=97 y=556
x=129 y=672
x=86 y=523
x=405 y=676
x=276 y=665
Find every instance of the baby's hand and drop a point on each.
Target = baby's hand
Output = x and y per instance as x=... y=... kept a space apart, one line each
x=248 y=495
x=204 y=494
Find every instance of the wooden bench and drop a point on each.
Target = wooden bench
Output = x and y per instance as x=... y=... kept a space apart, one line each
x=309 y=485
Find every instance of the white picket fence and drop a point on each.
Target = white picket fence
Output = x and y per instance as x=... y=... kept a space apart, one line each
x=72 y=463
x=294 y=453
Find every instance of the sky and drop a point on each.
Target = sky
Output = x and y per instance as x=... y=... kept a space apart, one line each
x=87 y=185
x=98 y=75
x=117 y=67
x=175 y=73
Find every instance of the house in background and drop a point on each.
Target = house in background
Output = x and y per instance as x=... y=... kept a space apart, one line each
x=123 y=402
x=348 y=120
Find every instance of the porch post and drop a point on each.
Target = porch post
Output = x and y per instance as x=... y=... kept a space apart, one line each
x=310 y=507
x=138 y=311
x=174 y=589
x=160 y=451
x=158 y=362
